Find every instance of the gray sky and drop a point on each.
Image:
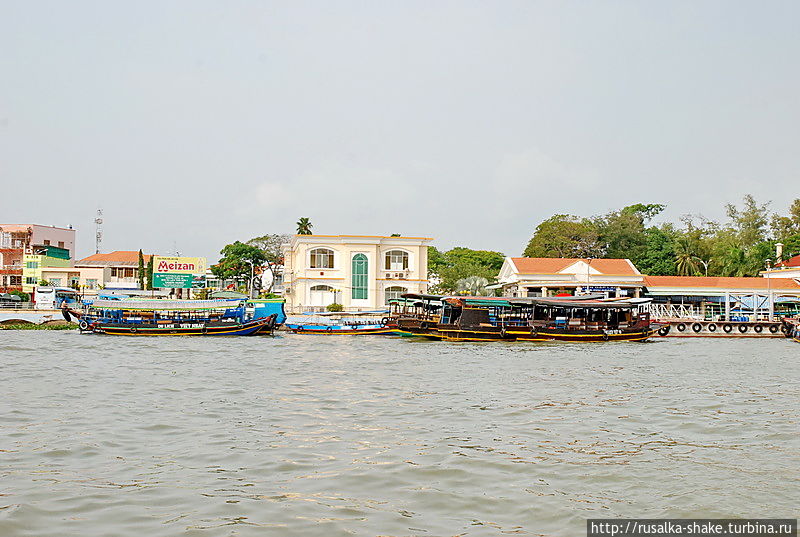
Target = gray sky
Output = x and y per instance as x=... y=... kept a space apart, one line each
x=199 y=123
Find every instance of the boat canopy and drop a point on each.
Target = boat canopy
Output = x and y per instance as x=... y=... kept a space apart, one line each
x=166 y=305
x=606 y=303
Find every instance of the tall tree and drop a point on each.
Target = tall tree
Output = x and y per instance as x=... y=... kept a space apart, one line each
x=304 y=226
x=271 y=245
x=750 y=222
x=141 y=270
x=784 y=227
x=149 y=274
x=565 y=235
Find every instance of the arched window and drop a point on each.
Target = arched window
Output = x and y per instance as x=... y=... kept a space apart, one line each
x=321 y=258
x=326 y=288
x=394 y=292
x=359 y=278
x=396 y=260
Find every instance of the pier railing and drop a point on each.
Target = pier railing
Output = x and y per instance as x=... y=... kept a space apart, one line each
x=674 y=311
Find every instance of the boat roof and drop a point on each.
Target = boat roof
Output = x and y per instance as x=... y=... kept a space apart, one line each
x=585 y=301
x=166 y=305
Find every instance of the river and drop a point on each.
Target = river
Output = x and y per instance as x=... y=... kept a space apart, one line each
x=368 y=435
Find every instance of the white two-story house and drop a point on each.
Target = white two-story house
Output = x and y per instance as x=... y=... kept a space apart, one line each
x=360 y=272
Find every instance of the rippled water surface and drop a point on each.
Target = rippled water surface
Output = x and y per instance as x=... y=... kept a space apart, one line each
x=364 y=435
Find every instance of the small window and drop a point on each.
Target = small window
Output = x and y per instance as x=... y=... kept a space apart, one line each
x=393 y=293
x=322 y=258
x=327 y=288
x=396 y=260
x=60 y=244
x=46 y=242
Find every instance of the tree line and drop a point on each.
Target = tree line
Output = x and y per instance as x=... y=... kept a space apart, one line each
x=741 y=245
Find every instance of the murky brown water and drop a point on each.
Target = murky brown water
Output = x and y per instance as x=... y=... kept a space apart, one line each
x=308 y=435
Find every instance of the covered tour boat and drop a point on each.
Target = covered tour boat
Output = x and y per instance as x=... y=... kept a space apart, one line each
x=579 y=318
x=171 y=318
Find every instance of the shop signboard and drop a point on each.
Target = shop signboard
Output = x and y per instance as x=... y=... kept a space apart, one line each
x=177 y=272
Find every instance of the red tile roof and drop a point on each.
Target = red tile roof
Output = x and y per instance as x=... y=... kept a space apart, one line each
x=120 y=257
x=721 y=282
x=791 y=262
x=553 y=265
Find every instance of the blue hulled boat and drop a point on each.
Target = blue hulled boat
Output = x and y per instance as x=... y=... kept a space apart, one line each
x=171 y=318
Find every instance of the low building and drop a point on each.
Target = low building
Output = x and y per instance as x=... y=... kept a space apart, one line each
x=46 y=257
x=360 y=272
x=544 y=276
x=19 y=240
x=117 y=270
x=785 y=269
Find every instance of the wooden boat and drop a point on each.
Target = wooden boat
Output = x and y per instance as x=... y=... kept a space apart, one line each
x=418 y=314
x=582 y=318
x=344 y=324
x=171 y=318
x=791 y=329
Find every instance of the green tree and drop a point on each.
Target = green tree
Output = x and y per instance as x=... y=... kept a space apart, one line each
x=623 y=232
x=237 y=259
x=461 y=263
x=149 y=274
x=270 y=245
x=304 y=226
x=25 y=297
x=141 y=272
x=791 y=246
x=565 y=235
x=784 y=227
x=748 y=223
x=658 y=255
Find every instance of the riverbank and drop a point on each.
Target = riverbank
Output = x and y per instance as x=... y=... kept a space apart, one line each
x=51 y=325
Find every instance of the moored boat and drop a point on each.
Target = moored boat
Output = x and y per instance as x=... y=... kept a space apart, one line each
x=344 y=324
x=171 y=318
x=418 y=314
x=578 y=318
x=791 y=329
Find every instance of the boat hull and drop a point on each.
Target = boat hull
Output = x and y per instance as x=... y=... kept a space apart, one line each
x=251 y=328
x=342 y=330
x=451 y=333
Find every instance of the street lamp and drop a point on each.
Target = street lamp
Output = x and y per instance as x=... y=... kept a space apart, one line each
x=770 y=302
x=250 y=285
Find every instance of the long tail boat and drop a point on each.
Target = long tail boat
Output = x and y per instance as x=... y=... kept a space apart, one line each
x=344 y=324
x=581 y=318
x=170 y=318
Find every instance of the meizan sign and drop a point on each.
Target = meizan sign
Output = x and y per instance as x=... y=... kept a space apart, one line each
x=177 y=272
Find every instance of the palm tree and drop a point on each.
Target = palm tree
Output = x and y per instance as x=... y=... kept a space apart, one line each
x=687 y=262
x=473 y=286
x=304 y=226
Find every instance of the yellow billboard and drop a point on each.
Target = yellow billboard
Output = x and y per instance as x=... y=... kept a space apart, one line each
x=179 y=265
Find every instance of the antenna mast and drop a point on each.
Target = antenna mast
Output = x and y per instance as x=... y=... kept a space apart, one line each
x=98 y=235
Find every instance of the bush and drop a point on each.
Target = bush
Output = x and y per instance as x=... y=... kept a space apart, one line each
x=335 y=307
x=25 y=297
